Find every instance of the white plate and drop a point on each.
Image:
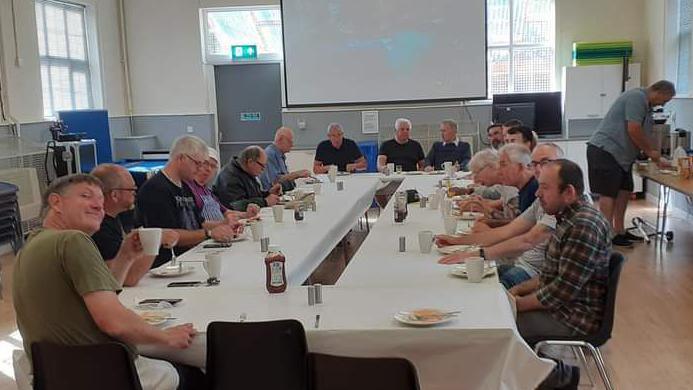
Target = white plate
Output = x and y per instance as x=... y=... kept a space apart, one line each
x=413 y=173
x=154 y=318
x=448 y=250
x=406 y=317
x=166 y=272
x=461 y=270
x=469 y=215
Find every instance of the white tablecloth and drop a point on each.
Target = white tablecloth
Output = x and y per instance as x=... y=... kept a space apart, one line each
x=479 y=350
x=305 y=244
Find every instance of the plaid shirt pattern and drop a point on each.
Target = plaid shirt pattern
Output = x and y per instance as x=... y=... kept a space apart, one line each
x=574 y=277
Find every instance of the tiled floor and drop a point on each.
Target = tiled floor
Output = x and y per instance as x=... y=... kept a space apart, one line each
x=653 y=335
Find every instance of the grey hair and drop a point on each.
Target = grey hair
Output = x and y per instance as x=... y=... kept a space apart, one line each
x=517 y=153
x=665 y=87
x=399 y=121
x=282 y=132
x=450 y=123
x=335 y=125
x=251 y=153
x=482 y=159
x=190 y=145
x=559 y=150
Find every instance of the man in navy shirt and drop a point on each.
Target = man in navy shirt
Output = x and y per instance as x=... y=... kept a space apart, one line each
x=515 y=165
x=401 y=150
x=339 y=151
x=450 y=149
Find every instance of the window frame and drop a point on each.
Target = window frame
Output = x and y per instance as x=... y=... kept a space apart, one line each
x=220 y=59
x=672 y=49
x=89 y=66
x=511 y=46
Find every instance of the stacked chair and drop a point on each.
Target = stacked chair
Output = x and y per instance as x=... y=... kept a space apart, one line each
x=10 y=220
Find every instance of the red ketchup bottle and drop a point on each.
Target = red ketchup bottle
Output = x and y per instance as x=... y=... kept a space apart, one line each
x=275 y=271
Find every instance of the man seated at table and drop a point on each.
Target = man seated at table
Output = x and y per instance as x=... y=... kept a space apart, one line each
x=568 y=297
x=238 y=186
x=449 y=149
x=509 y=124
x=118 y=197
x=65 y=294
x=165 y=201
x=495 y=135
x=516 y=170
x=211 y=210
x=521 y=135
x=525 y=237
x=401 y=150
x=339 y=151
x=276 y=170
x=489 y=194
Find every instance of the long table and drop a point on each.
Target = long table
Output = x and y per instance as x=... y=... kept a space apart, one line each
x=479 y=350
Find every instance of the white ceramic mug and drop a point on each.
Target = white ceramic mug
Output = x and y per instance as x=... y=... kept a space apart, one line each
x=332 y=173
x=475 y=269
x=450 y=223
x=256 y=230
x=317 y=188
x=212 y=265
x=278 y=213
x=425 y=241
x=434 y=201
x=151 y=240
x=390 y=168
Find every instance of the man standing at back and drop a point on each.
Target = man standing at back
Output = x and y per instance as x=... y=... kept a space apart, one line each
x=401 y=150
x=276 y=170
x=621 y=135
x=64 y=293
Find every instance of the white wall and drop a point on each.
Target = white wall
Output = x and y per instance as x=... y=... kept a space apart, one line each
x=25 y=101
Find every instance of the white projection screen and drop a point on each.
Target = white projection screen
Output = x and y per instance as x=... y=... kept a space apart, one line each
x=381 y=51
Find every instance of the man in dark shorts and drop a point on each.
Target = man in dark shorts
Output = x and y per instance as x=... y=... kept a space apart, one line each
x=621 y=135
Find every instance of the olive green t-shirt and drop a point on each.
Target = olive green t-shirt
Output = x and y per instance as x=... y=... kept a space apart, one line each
x=52 y=273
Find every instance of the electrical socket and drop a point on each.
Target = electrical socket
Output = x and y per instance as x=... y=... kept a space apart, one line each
x=301 y=124
x=190 y=129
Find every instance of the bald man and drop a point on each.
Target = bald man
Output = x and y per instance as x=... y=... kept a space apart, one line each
x=276 y=170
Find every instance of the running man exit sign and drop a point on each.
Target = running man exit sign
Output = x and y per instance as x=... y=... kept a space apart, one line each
x=244 y=52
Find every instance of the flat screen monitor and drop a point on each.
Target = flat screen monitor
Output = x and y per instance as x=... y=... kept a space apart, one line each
x=547 y=110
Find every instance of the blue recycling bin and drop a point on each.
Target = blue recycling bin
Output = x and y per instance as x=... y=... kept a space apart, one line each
x=370 y=152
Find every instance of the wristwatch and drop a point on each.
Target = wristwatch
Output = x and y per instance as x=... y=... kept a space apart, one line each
x=482 y=253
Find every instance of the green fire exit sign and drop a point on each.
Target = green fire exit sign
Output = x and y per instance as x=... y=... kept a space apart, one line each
x=244 y=52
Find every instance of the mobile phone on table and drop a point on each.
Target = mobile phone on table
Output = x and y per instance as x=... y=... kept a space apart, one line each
x=217 y=245
x=184 y=284
x=172 y=301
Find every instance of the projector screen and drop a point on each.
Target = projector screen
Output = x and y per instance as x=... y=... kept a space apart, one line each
x=378 y=51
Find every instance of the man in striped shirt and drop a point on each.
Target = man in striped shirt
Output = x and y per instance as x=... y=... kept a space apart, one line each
x=569 y=295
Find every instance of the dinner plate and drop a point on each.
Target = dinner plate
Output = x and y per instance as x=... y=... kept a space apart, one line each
x=413 y=173
x=172 y=272
x=469 y=215
x=154 y=318
x=461 y=270
x=450 y=249
x=424 y=317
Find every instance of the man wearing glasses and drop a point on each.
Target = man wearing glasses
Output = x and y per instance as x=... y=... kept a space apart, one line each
x=524 y=238
x=238 y=184
x=119 y=196
x=165 y=201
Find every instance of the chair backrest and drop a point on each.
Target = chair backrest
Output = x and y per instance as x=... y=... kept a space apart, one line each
x=257 y=355
x=83 y=367
x=616 y=261
x=328 y=372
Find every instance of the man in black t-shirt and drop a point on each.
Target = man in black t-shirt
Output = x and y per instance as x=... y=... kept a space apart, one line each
x=339 y=151
x=165 y=200
x=118 y=197
x=401 y=150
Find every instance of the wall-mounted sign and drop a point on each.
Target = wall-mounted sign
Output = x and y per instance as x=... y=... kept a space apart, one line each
x=250 y=117
x=243 y=52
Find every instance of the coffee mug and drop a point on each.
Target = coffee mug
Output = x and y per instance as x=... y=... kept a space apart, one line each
x=256 y=230
x=278 y=213
x=475 y=269
x=450 y=224
x=425 y=241
x=332 y=173
x=317 y=188
x=150 y=239
x=212 y=265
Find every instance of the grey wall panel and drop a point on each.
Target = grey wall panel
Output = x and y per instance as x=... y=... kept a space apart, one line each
x=36 y=132
x=168 y=127
x=119 y=126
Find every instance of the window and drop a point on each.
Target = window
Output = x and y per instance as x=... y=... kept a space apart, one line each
x=64 y=56
x=521 y=37
x=685 y=46
x=225 y=27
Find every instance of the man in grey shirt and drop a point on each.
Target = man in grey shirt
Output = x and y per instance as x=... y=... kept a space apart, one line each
x=614 y=146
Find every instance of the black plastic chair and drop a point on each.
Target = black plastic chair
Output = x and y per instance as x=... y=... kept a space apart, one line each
x=592 y=342
x=83 y=367
x=257 y=355
x=328 y=372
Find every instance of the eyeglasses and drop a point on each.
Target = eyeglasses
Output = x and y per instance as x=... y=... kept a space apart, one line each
x=208 y=164
x=540 y=163
x=197 y=162
x=125 y=189
x=260 y=164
